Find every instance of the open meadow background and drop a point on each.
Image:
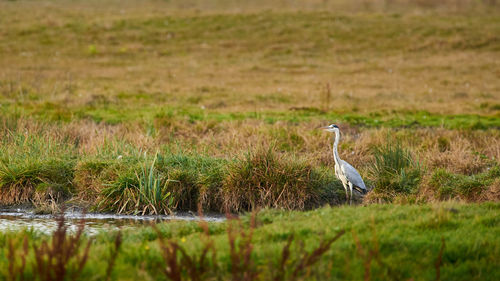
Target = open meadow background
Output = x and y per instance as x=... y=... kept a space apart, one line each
x=154 y=107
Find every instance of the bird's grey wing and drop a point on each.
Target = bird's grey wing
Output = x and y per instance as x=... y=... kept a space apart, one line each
x=352 y=175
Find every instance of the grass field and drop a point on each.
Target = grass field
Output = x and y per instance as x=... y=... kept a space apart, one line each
x=152 y=107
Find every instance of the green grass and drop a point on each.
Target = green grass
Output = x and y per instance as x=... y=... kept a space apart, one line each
x=149 y=114
x=451 y=185
x=395 y=171
x=36 y=169
x=147 y=193
x=406 y=239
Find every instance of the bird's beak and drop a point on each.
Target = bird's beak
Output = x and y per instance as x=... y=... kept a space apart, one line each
x=324 y=128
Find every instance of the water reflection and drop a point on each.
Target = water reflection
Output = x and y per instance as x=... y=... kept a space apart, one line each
x=14 y=220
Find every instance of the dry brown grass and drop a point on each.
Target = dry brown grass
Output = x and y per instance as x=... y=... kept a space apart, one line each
x=88 y=182
x=465 y=152
x=458 y=158
x=15 y=195
x=492 y=193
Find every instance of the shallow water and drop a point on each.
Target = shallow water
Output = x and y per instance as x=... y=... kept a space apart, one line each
x=19 y=219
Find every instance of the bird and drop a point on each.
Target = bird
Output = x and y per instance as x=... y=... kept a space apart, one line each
x=346 y=173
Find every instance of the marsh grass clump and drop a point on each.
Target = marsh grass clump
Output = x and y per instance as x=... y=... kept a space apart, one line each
x=265 y=179
x=120 y=195
x=260 y=179
x=90 y=175
x=450 y=185
x=194 y=179
x=34 y=169
x=152 y=190
x=394 y=170
x=35 y=182
x=142 y=190
x=182 y=180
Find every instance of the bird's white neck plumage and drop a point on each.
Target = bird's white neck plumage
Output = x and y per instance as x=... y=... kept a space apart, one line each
x=335 y=144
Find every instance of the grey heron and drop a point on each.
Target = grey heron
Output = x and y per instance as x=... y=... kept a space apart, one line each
x=346 y=173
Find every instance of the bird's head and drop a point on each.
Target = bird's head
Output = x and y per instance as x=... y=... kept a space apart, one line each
x=331 y=128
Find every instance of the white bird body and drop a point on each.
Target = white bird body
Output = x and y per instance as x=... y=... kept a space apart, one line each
x=338 y=173
x=346 y=173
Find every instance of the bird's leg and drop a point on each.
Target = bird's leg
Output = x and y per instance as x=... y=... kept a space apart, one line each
x=350 y=198
x=346 y=193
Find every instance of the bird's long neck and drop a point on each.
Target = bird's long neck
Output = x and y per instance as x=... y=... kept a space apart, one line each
x=335 y=144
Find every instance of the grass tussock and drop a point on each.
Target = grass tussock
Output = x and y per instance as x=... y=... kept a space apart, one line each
x=35 y=183
x=266 y=179
x=168 y=181
x=194 y=179
x=152 y=190
x=394 y=171
x=91 y=175
x=34 y=169
x=183 y=182
x=140 y=191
